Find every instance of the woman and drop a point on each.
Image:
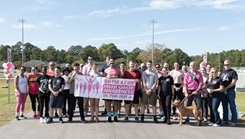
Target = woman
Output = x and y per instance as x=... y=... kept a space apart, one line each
x=33 y=91
x=204 y=95
x=66 y=90
x=178 y=77
x=214 y=87
x=159 y=74
x=21 y=92
x=165 y=93
x=94 y=102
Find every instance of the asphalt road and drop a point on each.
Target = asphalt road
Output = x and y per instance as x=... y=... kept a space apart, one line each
x=30 y=128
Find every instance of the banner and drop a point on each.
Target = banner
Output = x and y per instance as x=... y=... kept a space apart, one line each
x=105 y=88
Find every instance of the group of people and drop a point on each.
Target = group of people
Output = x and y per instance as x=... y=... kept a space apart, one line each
x=154 y=84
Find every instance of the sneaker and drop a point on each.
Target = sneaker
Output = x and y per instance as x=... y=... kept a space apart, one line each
x=126 y=119
x=200 y=123
x=61 y=120
x=50 y=120
x=34 y=116
x=136 y=119
x=215 y=125
x=115 y=119
x=174 y=117
x=155 y=119
x=204 y=119
x=233 y=124
x=17 y=118
x=83 y=121
x=41 y=120
x=142 y=119
x=45 y=120
x=109 y=119
x=22 y=117
x=211 y=124
x=161 y=116
x=168 y=123
x=38 y=116
x=224 y=123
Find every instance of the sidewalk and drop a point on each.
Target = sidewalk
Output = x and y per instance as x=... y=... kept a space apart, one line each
x=30 y=128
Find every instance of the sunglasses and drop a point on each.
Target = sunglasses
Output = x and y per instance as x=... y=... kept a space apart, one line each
x=51 y=65
x=90 y=59
x=226 y=64
x=157 y=67
x=214 y=72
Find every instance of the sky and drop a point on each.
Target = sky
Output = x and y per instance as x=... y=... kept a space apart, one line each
x=194 y=26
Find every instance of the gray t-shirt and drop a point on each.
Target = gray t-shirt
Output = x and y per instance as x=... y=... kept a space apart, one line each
x=72 y=84
x=150 y=77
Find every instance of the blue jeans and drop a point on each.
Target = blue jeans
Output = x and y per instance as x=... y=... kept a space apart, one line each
x=229 y=98
x=213 y=103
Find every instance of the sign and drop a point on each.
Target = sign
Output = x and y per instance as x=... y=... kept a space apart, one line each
x=104 y=88
x=9 y=55
x=205 y=57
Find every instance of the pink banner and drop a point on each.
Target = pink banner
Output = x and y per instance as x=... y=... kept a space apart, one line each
x=104 y=88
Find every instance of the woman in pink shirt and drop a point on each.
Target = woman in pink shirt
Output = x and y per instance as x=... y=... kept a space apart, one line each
x=33 y=91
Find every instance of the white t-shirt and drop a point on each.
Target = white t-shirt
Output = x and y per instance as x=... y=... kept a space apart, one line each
x=67 y=85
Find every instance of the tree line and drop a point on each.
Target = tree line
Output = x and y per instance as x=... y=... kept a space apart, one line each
x=78 y=53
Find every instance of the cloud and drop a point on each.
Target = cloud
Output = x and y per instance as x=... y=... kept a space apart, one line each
x=44 y=5
x=2 y=20
x=223 y=28
x=40 y=25
x=47 y=2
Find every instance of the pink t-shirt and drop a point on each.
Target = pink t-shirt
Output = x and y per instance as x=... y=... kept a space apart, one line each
x=190 y=83
x=177 y=75
x=32 y=82
x=113 y=72
x=87 y=69
x=50 y=73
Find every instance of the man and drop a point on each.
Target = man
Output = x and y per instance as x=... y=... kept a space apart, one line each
x=56 y=87
x=86 y=70
x=229 y=78
x=68 y=65
x=149 y=82
x=103 y=70
x=193 y=82
x=132 y=73
x=112 y=72
x=71 y=98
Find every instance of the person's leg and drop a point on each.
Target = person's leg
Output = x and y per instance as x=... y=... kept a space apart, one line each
x=92 y=108
x=145 y=98
x=18 y=103
x=163 y=101
x=97 y=102
x=22 y=107
x=52 y=105
x=225 y=107
x=127 y=105
x=81 y=108
x=86 y=104
x=46 y=100
x=41 y=98
x=38 y=106
x=168 y=107
x=231 y=95
x=33 y=104
x=210 y=104
x=71 y=106
x=153 y=101
x=188 y=102
x=216 y=102
x=204 y=109
x=66 y=94
x=198 y=102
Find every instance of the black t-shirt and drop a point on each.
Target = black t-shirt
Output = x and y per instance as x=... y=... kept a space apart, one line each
x=227 y=76
x=214 y=84
x=43 y=82
x=166 y=85
x=56 y=83
x=104 y=67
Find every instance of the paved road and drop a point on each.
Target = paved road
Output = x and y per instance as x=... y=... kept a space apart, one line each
x=31 y=129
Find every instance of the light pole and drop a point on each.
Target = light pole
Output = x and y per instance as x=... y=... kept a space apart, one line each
x=153 y=22
x=22 y=43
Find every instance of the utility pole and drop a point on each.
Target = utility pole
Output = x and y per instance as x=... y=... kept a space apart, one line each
x=153 y=22
x=22 y=43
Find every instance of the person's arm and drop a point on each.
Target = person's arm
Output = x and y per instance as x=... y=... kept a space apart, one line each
x=172 y=87
x=233 y=82
x=71 y=77
x=200 y=85
x=16 y=79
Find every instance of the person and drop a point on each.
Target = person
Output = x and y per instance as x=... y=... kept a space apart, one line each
x=94 y=102
x=214 y=87
x=133 y=73
x=208 y=67
x=56 y=87
x=166 y=65
x=66 y=72
x=165 y=93
x=86 y=70
x=21 y=87
x=193 y=82
x=149 y=81
x=112 y=72
x=229 y=77
x=159 y=74
x=81 y=68
x=43 y=95
x=33 y=91
x=72 y=99
x=68 y=65
x=122 y=70
x=51 y=68
x=103 y=70
x=178 y=77
x=204 y=94
x=184 y=69
x=143 y=68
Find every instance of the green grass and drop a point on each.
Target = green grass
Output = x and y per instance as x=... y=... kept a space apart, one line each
x=240 y=101
x=7 y=109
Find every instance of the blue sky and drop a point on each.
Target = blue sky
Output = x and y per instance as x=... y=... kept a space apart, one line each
x=195 y=26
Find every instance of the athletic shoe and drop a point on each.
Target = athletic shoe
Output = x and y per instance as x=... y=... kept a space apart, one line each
x=45 y=120
x=174 y=117
x=204 y=119
x=126 y=119
x=83 y=121
x=61 y=120
x=224 y=123
x=38 y=116
x=215 y=125
x=211 y=124
x=69 y=120
x=34 y=116
x=50 y=120
x=233 y=124
x=109 y=119
x=17 y=118
x=136 y=119
x=22 y=117
x=142 y=118
x=115 y=119
x=155 y=119
x=41 y=120
x=168 y=123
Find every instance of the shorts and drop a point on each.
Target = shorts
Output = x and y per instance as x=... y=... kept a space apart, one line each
x=56 y=101
x=136 y=98
x=152 y=98
x=197 y=100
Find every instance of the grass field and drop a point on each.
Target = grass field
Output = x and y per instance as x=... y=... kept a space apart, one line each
x=7 y=110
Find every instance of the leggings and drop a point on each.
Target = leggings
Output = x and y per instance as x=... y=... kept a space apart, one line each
x=177 y=95
x=205 y=107
x=166 y=104
x=44 y=102
x=66 y=96
x=33 y=98
x=21 y=100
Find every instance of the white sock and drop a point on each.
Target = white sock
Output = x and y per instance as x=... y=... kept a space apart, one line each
x=16 y=114
x=21 y=113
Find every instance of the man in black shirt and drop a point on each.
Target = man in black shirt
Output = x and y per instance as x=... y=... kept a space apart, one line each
x=229 y=78
x=56 y=87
